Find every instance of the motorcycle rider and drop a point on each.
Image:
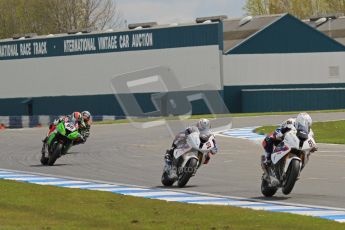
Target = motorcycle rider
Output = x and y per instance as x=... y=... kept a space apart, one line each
x=83 y=120
x=303 y=120
x=203 y=125
x=84 y=127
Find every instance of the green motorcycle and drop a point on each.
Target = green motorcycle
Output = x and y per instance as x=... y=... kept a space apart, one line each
x=60 y=140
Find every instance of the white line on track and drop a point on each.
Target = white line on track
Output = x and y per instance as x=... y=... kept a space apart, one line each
x=184 y=191
x=177 y=196
x=157 y=193
x=61 y=182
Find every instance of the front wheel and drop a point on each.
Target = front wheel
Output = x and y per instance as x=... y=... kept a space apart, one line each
x=44 y=160
x=292 y=175
x=55 y=154
x=188 y=172
x=166 y=181
x=266 y=190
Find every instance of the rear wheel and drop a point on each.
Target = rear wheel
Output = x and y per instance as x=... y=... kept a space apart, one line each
x=292 y=175
x=188 y=172
x=55 y=154
x=266 y=190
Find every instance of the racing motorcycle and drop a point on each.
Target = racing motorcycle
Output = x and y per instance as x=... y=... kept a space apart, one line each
x=288 y=160
x=187 y=159
x=60 y=140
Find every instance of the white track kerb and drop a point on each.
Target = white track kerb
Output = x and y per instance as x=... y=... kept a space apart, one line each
x=170 y=195
x=243 y=133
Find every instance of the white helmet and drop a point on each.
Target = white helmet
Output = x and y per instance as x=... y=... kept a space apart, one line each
x=303 y=121
x=203 y=124
x=86 y=115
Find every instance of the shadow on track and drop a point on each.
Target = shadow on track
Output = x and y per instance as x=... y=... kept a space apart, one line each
x=174 y=187
x=40 y=165
x=274 y=198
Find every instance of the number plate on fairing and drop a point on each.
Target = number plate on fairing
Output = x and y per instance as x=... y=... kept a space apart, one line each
x=70 y=127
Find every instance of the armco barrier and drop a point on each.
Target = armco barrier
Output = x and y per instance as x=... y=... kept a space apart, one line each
x=15 y=122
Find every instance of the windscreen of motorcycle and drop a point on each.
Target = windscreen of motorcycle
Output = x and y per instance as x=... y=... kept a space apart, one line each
x=302 y=132
x=193 y=140
x=291 y=139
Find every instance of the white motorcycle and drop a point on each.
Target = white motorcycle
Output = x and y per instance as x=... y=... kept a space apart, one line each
x=288 y=160
x=187 y=159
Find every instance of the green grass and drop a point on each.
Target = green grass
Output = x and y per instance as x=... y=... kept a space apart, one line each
x=28 y=206
x=122 y=121
x=332 y=132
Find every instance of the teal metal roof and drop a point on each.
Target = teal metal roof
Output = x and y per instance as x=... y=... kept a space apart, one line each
x=286 y=34
x=235 y=33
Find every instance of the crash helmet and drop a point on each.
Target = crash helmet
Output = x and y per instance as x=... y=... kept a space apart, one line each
x=203 y=124
x=303 y=124
x=86 y=115
x=289 y=123
x=76 y=116
x=303 y=119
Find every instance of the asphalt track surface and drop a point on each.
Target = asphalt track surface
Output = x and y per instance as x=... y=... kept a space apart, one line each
x=122 y=153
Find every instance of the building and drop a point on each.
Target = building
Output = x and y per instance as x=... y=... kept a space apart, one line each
x=266 y=63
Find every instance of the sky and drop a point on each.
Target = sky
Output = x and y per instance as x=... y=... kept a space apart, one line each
x=177 y=11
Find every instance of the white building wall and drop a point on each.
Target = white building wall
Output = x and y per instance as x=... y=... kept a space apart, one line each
x=91 y=74
x=270 y=69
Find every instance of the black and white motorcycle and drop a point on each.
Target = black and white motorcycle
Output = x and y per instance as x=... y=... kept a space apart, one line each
x=288 y=160
x=187 y=159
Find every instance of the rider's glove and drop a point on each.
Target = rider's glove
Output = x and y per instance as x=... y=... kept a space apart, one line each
x=58 y=120
x=86 y=134
x=82 y=138
x=278 y=135
x=207 y=159
x=214 y=150
x=188 y=131
x=314 y=149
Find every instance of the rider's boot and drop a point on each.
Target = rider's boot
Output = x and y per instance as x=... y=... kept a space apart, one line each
x=265 y=165
x=168 y=160
x=267 y=160
x=43 y=151
x=169 y=156
x=169 y=166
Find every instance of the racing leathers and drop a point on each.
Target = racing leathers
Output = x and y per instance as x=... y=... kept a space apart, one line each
x=276 y=137
x=83 y=129
x=180 y=141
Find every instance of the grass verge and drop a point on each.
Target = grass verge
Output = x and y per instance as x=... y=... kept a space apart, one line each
x=325 y=132
x=28 y=206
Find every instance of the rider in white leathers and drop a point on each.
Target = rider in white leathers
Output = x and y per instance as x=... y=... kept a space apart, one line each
x=203 y=125
x=302 y=120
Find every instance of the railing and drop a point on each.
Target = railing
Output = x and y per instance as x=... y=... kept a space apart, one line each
x=14 y=122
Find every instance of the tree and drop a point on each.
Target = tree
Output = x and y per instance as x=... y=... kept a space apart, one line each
x=57 y=16
x=336 y=6
x=77 y=14
x=256 y=7
x=301 y=9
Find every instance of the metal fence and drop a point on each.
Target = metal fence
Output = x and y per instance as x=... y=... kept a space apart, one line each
x=42 y=120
